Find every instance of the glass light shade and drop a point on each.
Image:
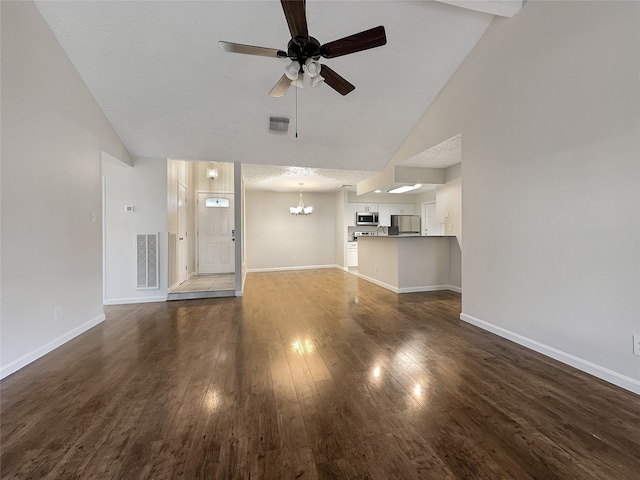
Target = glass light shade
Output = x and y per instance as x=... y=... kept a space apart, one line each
x=308 y=210
x=292 y=70
x=317 y=80
x=212 y=173
x=311 y=67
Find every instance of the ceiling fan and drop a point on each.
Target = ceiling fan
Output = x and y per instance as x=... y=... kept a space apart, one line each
x=304 y=52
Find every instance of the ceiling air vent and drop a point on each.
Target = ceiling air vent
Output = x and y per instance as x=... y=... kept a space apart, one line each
x=278 y=124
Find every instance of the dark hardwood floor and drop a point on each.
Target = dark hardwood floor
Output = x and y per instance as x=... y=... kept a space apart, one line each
x=312 y=374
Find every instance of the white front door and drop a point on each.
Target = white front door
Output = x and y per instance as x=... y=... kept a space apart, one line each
x=183 y=246
x=216 y=245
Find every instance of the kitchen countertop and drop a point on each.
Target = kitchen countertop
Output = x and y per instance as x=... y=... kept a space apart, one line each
x=410 y=236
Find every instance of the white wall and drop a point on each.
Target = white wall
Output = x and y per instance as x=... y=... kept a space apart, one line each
x=424 y=197
x=455 y=263
x=547 y=104
x=173 y=177
x=53 y=136
x=449 y=207
x=274 y=236
x=341 y=231
x=144 y=186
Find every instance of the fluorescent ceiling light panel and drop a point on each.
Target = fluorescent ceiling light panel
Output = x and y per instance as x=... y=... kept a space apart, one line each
x=405 y=189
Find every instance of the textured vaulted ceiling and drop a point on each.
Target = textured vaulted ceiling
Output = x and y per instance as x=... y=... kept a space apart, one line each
x=170 y=92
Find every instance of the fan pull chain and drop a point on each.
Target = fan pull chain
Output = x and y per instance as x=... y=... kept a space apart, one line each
x=296 y=112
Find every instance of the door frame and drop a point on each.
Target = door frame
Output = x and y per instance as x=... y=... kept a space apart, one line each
x=197 y=215
x=183 y=262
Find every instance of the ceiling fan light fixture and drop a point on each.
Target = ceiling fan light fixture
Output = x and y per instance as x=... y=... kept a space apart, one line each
x=298 y=82
x=292 y=70
x=312 y=67
x=317 y=80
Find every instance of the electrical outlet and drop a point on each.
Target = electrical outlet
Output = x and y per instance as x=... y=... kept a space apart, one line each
x=636 y=345
x=57 y=313
x=376 y=268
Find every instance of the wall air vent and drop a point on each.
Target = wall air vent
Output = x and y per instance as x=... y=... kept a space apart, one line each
x=278 y=125
x=147 y=269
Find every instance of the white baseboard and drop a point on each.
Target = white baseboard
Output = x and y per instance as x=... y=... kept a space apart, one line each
x=379 y=283
x=429 y=288
x=591 y=368
x=126 y=301
x=33 y=355
x=191 y=275
x=281 y=269
x=425 y=288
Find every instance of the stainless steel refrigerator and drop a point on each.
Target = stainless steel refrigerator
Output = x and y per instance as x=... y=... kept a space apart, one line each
x=405 y=225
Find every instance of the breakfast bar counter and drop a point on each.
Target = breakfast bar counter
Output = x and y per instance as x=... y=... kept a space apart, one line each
x=406 y=264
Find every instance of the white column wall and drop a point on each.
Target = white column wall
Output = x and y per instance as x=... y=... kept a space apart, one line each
x=143 y=186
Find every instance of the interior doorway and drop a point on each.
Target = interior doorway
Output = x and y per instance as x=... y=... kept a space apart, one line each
x=202 y=205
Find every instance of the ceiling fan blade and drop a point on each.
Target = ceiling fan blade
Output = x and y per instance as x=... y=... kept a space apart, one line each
x=251 y=50
x=335 y=81
x=294 y=12
x=281 y=87
x=372 y=38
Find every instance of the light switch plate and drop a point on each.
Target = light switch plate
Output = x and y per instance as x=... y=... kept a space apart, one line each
x=636 y=345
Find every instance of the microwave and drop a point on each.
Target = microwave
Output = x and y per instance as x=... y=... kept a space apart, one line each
x=367 y=218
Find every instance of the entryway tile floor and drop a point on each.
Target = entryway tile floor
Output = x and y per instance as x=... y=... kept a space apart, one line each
x=207 y=283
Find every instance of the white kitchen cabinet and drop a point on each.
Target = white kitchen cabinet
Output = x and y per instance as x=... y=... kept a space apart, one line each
x=367 y=207
x=351 y=214
x=402 y=209
x=352 y=254
x=384 y=215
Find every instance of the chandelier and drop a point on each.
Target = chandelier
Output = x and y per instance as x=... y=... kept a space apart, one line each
x=301 y=209
x=212 y=173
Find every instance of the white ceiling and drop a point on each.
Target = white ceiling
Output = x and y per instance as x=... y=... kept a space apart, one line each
x=286 y=179
x=157 y=72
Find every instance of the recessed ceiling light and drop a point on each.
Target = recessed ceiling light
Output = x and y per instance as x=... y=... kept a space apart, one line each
x=378 y=191
x=405 y=189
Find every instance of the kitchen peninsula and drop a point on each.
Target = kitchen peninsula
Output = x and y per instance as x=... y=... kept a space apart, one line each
x=406 y=264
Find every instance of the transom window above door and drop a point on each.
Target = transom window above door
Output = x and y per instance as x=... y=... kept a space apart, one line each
x=215 y=202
